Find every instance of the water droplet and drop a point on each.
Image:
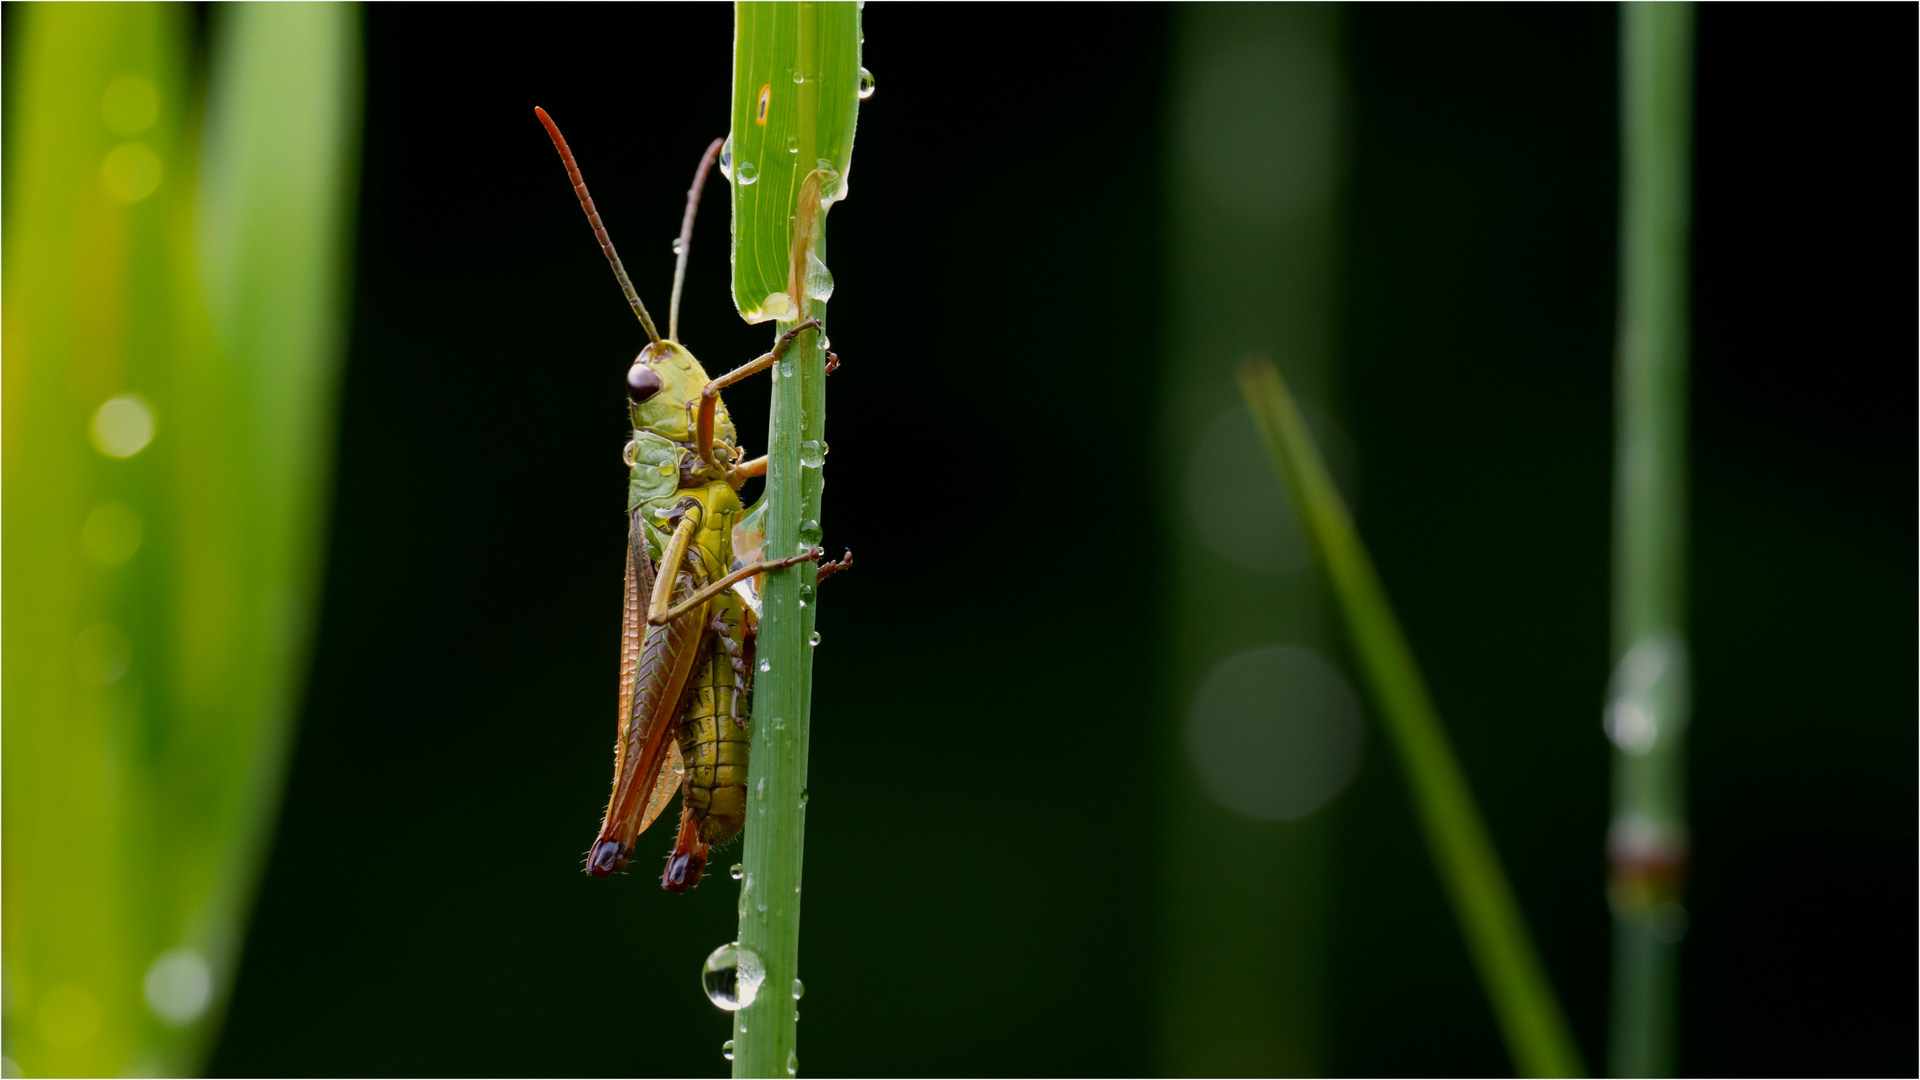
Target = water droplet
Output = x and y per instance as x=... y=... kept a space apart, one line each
x=798 y=989
x=732 y=976
x=746 y=173
x=179 y=984
x=130 y=105
x=779 y=723
x=793 y=144
x=131 y=172
x=786 y=369
x=112 y=533
x=726 y=1049
x=803 y=802
x=677 y=247
x=819 y=280
x=746 y=890
x=812 y=455
x=830 y=182
x=726 y=157
x=738 y=871
x=813 y=638
x=102 y=653
x=806 y=593
x=122 y=426
x=799 y=77
x=766 y=666
x=793 y=1063
x=866 y=84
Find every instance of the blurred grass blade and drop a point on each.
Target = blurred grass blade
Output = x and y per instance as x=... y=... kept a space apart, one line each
x=1648 y=703
x=1256 y=113
x=796 y=95
x=1523 y=1000
x=170 y=356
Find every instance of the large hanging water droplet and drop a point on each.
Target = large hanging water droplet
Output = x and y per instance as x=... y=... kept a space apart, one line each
x=819 y=279
x=746 y=173
x=866 y=84
x=810 y=531
x=732 y=976
x=813 y=453
x=813 y=638
x=793 y=1063
x=830 y=181
x=726 y=1049
x=798 y=989
x=738 y=871
x=726 y=157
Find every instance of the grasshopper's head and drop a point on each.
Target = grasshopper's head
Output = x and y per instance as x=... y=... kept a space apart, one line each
x=663 y=392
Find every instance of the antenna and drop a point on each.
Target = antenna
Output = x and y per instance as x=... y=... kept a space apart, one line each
x=599 y=230
x=686 y=237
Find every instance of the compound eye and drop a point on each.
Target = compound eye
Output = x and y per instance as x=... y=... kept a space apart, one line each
x=642 y=383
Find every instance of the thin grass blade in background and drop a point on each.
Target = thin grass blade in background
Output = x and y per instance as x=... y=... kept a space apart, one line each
x=173 y=334
x=1516 y=983
x=1263 y=734
x=797 y=84
x=1648 y=704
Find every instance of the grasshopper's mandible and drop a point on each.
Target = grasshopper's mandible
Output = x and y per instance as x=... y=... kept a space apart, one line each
x=686 y=650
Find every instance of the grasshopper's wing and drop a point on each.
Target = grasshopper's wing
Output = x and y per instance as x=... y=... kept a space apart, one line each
x=673 y=771
x=633 y=622
x=749 y=540
x=658 y=786
x=640 y=572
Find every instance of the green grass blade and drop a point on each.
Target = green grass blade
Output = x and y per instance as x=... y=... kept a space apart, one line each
x=1648 y=706
x=796 y=85
x=158 y=598
x=1523 y=1000
x=1250 y=192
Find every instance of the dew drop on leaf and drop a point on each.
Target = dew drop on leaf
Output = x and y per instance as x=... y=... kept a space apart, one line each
x=732 y=976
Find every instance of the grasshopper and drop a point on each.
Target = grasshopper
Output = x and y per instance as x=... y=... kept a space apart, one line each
x=691 y=604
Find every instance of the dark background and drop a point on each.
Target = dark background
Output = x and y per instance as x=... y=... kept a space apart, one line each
x=982 y=855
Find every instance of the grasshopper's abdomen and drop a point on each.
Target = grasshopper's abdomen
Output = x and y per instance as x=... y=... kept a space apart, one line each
x=714 y=743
